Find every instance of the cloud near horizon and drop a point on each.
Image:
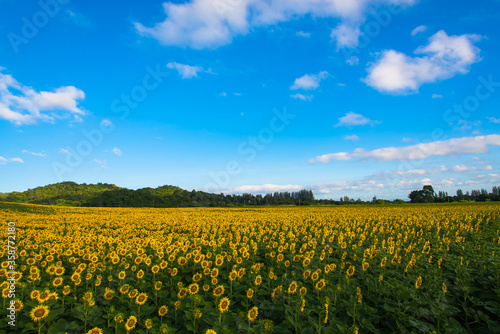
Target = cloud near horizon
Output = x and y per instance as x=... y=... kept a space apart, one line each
x=455 y=146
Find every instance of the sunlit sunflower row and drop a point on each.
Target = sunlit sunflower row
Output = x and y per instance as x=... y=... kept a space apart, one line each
x=349 y=269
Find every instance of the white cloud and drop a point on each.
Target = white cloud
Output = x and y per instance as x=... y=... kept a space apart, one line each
x=353 y=60
x=185 y=71
x=303 y=34
x=4 y=161
x=63 y=151
x=444 y=57
x=302 y=97
x=494 y=120
x=456 y=146
x=223 y=94
x=102 y=163
x=351 y=137
x=34 y=153
x=203 y=24
x=437 y=96
x=418 y=30
x=309 y=81
x=352 y=119
x=407 y=139
x=346 y=35
x=117 y=151
x=265 y=188
x=21 y=104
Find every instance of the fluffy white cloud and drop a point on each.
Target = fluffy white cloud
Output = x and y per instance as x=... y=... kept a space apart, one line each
x=20 y=104
x=117 y=151
x=494 y=120
x=265 y=188
x=444 y=57
x=352 y=119
x=351 y=137
x=455 y=146
x=346 y=35
x=309 y=81
x=203 y=24
x=302 y=97
x=185 y=71
x=418 y=30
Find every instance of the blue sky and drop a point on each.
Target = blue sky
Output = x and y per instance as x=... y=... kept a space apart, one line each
x=355 y=98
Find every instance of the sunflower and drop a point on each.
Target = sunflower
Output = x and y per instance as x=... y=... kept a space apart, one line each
x=148 y=323
x=95 y=330
x=258 y=280
x=249 y=293
x=365 y=266
x=276 y=292
x=218 y=291
x=206 y=287
x=155 y=269
x=444 y=288
x=130 y=323
x=210 y=331
x=163 y=310
x=181 y=261
x=122 y=275
x=173 y=272
x=252 y=314
x=292 y=288
x=219 y=261
x=118 y=318
x=193 y=288
x=132 y=294
x=303 y=290
x=197 y=277
x=140 y=274
x=18 y=305
x=141 y=299
x=214 y=273
x=182 y=293
x=224 y=304
x=233 y=275
x=158 y=285
x=418 y=282
x=351 y=271
x=43 y=296
x=306 y=262
x=39 y=312
x=383 y=262
x=320 y=284
x=34 y=294
x=306 y=274
x=124 y=289
x=108 y=293
x=241 y=272
x=315 y=276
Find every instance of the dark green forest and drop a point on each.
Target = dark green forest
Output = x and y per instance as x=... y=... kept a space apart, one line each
x=110 y=195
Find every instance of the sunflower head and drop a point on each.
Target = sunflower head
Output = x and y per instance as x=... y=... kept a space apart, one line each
x=224 y=304
x=130 y=323
x=39 y=312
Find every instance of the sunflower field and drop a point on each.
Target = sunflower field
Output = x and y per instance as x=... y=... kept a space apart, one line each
x=350 y=269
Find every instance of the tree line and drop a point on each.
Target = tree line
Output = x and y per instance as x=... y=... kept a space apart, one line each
x=428 y=195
